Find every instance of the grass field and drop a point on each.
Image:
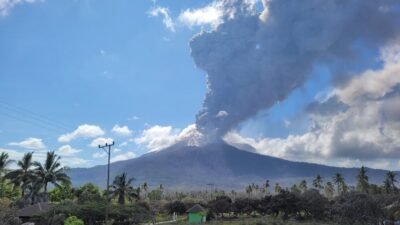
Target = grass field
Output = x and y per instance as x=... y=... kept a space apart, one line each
x=259 y=221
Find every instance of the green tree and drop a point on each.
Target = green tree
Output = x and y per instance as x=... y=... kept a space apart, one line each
x=24 y=174
x=88 y=188
x=294 y=189
x=303 y=186
x=122 y=188
x=155 y=195
x=277 y=188
x=62 y=192
x=390 y=182
x=317 y=182
x=5 y=161
x=51 y=171
x=176 y=207
x=362 y=180
x=7 y=190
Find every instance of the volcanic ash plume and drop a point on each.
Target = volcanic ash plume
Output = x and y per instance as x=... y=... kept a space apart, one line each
x=255 y=60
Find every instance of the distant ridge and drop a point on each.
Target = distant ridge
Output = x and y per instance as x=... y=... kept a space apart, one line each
x=223 y=165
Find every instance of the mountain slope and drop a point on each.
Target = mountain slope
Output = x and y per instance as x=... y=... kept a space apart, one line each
x=181 y=166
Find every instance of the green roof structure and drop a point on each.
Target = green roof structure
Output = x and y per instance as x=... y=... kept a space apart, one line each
x=196 y=214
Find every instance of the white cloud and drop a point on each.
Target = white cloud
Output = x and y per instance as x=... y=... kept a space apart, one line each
x=13 y=154
x=190 y=135
x=134 y=118
x=99 y=155
x=159 y=137
x=83 y=131
x=74 y=161
x=307 y=147
x=126 y=156
x=67 y=150
x=215 y=13
x=164 y=12
x=210 y=15
x=222 y=113
x=17 y=155
x=100 y=141
x=123 y=144
x=371 y=84
x=7 y=5
x=30 y=143
x=287 y=123
x=121 y=130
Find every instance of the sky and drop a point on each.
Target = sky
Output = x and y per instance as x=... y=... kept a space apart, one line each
x=76 y=74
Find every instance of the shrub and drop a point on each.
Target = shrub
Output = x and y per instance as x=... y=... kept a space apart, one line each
x=73 y=220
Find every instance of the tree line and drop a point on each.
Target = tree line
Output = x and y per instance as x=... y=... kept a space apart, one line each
x=324 y=199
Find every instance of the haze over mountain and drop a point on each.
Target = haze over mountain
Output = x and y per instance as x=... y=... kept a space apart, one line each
x=225 y=166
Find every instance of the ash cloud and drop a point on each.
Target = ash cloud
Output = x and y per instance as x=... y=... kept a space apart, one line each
x=365 y=129
x=255 y=60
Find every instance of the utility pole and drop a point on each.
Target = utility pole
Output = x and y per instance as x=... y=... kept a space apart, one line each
x=107 y=149
x=211 y=185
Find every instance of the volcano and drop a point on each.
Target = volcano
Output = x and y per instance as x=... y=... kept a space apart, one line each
x=226 y=167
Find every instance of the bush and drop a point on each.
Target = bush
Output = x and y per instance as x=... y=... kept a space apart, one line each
x=7 y=215
x=176 y=206
x=221 y=205
x=93 y=212
x=284 y=202
x=314 y=205
x=244 y=205
x=73 y=220
x=357 y=208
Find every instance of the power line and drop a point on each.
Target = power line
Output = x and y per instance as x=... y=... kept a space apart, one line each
x=24 y=115
x=31 y=122
x=31 y=114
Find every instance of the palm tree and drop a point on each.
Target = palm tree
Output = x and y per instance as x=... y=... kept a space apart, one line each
x=390 y=182
x=249 y=190
x=122 y=188
x=145 y=188
x=24 y=175
x=303 y=186
x=266 y=185
x=4 y=163
x=362 y=180
x=338 y=180
x=51 y=172
x=317 y=182
x=329 y=190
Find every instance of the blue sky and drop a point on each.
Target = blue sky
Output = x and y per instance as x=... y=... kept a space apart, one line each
x=118 y=64
x=67 y=63
x=92 y=62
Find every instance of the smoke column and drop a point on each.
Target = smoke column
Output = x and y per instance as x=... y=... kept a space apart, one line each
x=254 y=60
